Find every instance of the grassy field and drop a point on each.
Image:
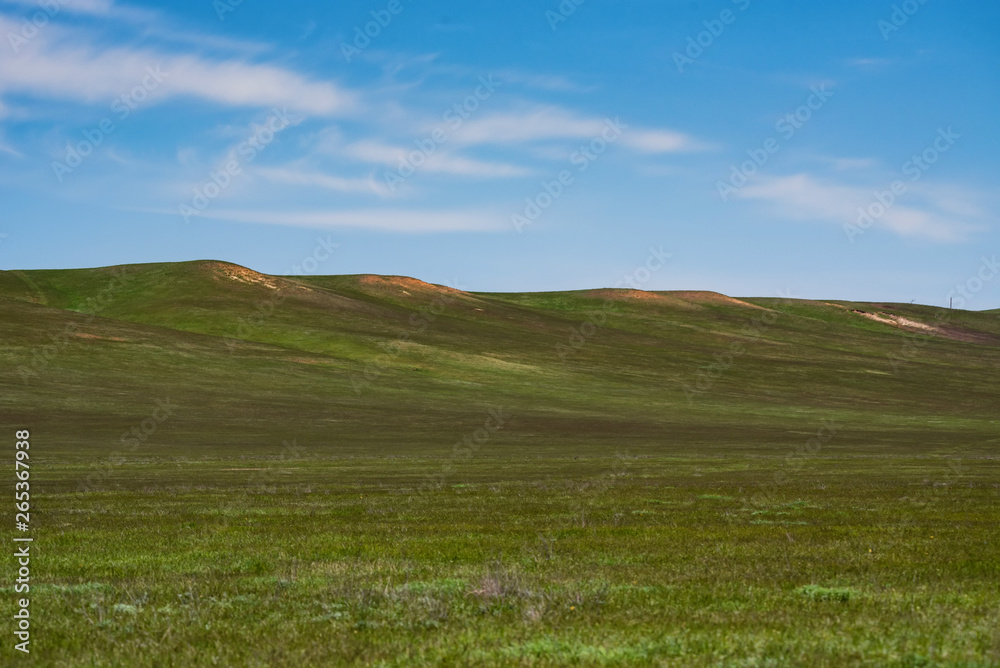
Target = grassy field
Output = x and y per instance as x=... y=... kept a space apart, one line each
x=237 y=469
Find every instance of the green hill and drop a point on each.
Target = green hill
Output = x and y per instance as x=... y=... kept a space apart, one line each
x=383 y=364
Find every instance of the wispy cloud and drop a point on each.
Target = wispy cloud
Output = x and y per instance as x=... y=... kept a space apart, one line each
x=555 y=123
x=442 y=161
x=944 y=214
x=540 y=124
x=68 y=65
x=661 y=141
x=391 y=220
x=143 y=22
x=298 y=177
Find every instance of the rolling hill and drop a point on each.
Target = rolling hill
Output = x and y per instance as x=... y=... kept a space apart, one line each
x=392 y=365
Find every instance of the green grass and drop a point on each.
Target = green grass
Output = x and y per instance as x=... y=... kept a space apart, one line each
x=179 y=565
x=325 y=491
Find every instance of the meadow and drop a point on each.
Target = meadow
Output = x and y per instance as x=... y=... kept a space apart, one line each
x=236 y=469
x=887 y=560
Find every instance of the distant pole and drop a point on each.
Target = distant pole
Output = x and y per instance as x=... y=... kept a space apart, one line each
x=950 y=300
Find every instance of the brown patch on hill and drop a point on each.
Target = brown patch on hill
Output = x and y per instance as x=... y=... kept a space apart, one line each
x=689 y=299
x=943 y=331
x=406 y=287
x=286 y=287
x=393 y=283
x=282 y=288
x=621 y=294
x=234 y=272
x=709 y=297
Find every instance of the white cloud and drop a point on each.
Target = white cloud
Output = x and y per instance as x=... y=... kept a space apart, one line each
x=143 y=22
x=802 y=197
x=391 y=220
x=924 y=211
x=296 y=177
x=553 y=123
x=660 y=141
x=63 y=65
x=447 y=163
x=441 y=161
x=540 y=124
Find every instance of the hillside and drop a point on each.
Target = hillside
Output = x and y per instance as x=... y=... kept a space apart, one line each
x=393 y=365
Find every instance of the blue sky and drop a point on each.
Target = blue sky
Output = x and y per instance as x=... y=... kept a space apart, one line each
x=512 y=145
